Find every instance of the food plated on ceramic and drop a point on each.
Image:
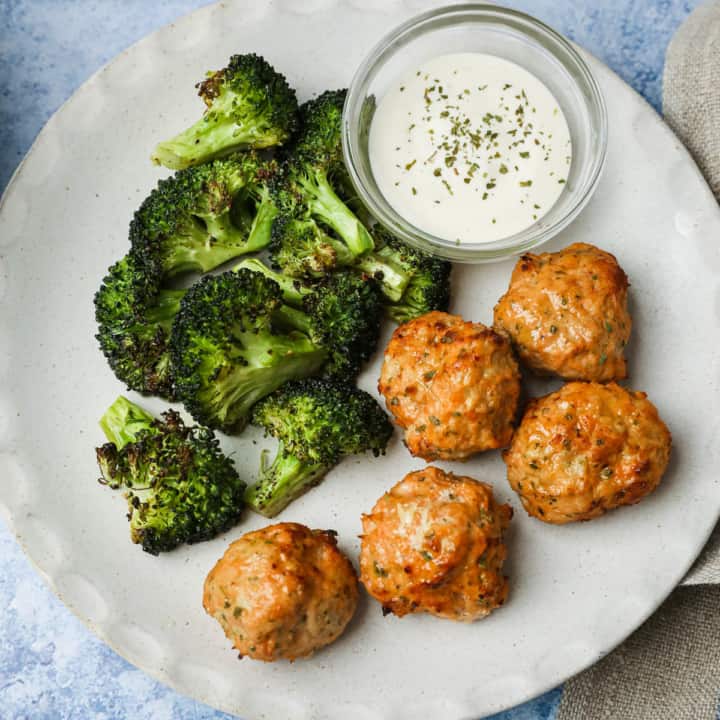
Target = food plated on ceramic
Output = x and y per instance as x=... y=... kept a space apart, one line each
x=280 y=348
x=453 y=385
x=277 y=341
x=282 y=592
x=434 y=543
x=570 y=598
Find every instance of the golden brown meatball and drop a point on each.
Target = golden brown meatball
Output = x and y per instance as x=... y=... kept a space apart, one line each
x=566 y=313
x=434 y=544
x=586 y=449
x=453 y=385
x=282 y=592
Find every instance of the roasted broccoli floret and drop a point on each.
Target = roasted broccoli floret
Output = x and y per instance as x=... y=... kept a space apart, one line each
x=427 y=285
x=320 y=123
x=303 y=241
x=412 y=281
x=318 y=144
x=196 y=220
x=306 y=196
x=342 y=313
x=227 y=352
x=302 y=247
x=134 y=316
x=316 y=422
x=179 y=486
x=206 y=215
x=249 y=105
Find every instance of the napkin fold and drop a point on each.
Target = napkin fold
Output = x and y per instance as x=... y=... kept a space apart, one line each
x=669 y=669
x=691 y=89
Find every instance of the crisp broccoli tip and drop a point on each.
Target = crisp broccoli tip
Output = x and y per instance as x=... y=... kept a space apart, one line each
x=204 y=216
x=134 y=317
x=346 y=313
x=320 y=134
x=302 y=249
x=342 y=314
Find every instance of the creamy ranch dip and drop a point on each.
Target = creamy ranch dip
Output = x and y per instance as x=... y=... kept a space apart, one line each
x=470 y=147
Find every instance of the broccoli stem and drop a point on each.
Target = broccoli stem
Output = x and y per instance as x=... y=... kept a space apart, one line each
x=268 y=361
x=165 y=308
x=260 y=231
x=392 y=281
x=283 y=481
x=123 y=421
x=412 y=304
x=328 y=207
x=348 y=194
x=205 y=140
x=292 y=319
x=203 y=248
x=221 y=227
x=292 y=292
x=265 y=213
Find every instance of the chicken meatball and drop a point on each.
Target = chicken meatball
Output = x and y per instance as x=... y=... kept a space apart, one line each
x=586 y=449
x=434 y=543
x=452 y=385
x=566 y=313
x=282 y=592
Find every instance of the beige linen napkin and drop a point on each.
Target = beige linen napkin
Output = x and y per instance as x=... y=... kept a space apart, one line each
x=670 y=668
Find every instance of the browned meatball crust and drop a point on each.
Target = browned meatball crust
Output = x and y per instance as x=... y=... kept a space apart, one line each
x=434 y=543
x=453 y=385
x=586 y=449
x=566 y=313
x=282 y=592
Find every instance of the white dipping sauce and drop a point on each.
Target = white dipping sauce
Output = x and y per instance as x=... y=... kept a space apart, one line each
x=470 y=147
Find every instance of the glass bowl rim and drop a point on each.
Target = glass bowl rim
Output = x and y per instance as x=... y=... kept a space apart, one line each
x=514 y=244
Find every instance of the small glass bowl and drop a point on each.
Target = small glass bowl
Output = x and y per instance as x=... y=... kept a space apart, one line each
x=497 y=31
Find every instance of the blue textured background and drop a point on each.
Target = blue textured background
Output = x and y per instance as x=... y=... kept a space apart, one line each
x=51 y=667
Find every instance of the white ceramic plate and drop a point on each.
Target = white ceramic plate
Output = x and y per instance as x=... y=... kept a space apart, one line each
x=576 y=591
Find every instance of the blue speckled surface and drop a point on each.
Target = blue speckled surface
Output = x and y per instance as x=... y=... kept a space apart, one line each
x=51 y=667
